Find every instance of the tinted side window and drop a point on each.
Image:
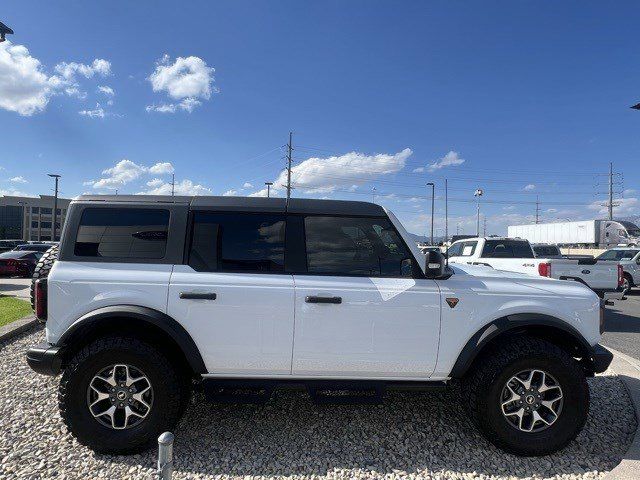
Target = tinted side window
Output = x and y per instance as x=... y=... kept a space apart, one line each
x=354 y=246
x=507 y=249
x=455 y=250
x=122 y=233
x=237 y=242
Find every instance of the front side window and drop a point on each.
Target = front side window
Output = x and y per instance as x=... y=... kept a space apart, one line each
x=455 y=250
x=355 y=246
x=618 y=255
x=237 y=242
x=123 y=233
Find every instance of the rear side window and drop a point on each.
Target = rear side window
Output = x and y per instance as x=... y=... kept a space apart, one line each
x=507 y=249
x=463 y=249
x=354 y=246
x=122 y=233
x=232 y=242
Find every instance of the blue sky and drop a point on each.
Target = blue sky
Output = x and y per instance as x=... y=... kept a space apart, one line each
x=533 y=96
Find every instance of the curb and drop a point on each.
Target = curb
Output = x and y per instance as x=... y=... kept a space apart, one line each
x=16 y=327
x=628 y=370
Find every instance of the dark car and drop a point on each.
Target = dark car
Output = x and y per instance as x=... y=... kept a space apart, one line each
x=18 y=263
x=6 y=245
x=33 y=247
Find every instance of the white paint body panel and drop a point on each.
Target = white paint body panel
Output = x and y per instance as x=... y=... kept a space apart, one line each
x=486 y=295
x=383 y=327
x=247 y=330
x=77 y=288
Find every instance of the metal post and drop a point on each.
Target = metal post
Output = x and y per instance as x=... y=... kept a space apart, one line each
x=55 y=206
x=268 y=184
x=289 y=159
x=478 y=194
x=432 y=195
x=165 y=456
x=610 y=191
x=446 y=211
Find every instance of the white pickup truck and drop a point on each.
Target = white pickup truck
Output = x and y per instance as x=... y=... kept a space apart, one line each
x=516 y=255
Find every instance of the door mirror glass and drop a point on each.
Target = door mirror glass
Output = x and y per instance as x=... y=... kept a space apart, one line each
x=435 y=264
x=406 y=267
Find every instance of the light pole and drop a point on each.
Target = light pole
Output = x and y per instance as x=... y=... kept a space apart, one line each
x=373 y=195
x=431 y=184
x=268 y=184
x=55 y=205
x=25 y=223
x=478 y=193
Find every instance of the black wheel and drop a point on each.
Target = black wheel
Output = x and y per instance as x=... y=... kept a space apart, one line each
x=117 y=395
x=42 y=269
x=627 y=282
x=527 y=397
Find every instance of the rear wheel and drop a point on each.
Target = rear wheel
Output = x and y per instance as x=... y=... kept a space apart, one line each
x=627 y=282
x=118 y=394
x=528 y=397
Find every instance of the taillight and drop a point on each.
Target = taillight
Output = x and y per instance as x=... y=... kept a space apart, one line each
x=620 y=275
x=40 y=299
x=544 y=269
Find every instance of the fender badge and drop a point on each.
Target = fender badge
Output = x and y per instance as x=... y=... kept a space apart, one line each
x=452 y=301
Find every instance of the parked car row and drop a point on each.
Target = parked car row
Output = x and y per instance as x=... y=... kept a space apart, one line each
x=22 y=258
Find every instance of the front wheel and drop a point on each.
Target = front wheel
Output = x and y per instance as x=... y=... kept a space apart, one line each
x=118 y=394
x=528 y=397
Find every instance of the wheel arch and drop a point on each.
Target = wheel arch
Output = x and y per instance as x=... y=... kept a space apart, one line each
x=143 y=323
x=545 y=327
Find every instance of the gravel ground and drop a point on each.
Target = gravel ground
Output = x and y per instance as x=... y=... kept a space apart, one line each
x=416 y=435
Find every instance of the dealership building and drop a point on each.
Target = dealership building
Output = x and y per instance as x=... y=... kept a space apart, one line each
x=31 y=218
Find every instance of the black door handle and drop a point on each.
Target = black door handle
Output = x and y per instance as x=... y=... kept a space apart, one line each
x=312 y=299
x=198 y=296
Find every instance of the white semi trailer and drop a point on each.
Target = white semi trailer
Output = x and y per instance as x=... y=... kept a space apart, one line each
x=585 y=233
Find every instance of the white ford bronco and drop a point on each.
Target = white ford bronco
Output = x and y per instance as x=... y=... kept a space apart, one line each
x=151 y=297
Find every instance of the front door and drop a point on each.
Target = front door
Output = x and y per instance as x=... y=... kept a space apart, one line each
x=233 y=296
x=360 y=313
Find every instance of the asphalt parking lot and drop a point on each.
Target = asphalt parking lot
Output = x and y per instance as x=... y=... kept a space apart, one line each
x=622 y=325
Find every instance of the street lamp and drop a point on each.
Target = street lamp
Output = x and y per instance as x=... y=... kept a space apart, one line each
x=268 y=184
x=25 y=223
x=55 y=205
x=478 y=193
x=4 y=30
x=432 y=195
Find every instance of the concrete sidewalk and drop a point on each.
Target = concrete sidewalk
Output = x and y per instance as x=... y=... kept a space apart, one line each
x=628 y=369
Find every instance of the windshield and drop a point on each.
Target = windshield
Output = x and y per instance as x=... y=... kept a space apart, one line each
x=632 y=228
x=618 y=255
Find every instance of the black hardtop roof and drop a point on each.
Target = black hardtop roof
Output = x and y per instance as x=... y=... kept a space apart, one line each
x=245 y=204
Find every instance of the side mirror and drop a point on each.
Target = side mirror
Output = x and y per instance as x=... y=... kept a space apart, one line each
x=435 y=264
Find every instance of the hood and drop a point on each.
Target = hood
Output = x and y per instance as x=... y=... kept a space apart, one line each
x=544 y=284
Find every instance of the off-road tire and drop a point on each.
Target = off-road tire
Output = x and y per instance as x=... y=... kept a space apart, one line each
x=168 y=395
x=482 y=389
x=42 y=269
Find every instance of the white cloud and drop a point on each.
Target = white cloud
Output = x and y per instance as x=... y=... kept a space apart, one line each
x=123 y=172
x=509 y=207
x=162 y=168
x=323 y=175
x=247 y=185
x=19 y=179
x=449 y=160
x=97 y=112
x=418 y=170
x=105 y=89
x=530 y=187
x=621 y=206
x=188 y=80
x=15 y=193
x=230 y=193
x=184 y=187
x=25 y=88
x=156 y=182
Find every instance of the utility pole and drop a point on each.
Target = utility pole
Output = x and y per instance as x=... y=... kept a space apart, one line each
x=289 y=150
x=484 y=219
x=433 y=187
x=173 y=184
x=610 y=190
x=373 y=195
x=55 y=205
x=446 y=211
x=478 y=193
x=537 y=209
x=268 y=184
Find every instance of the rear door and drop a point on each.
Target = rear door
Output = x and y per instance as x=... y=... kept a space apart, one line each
x=361 y=312
x=233 y=295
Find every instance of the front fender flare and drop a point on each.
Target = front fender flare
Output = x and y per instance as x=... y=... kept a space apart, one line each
x=505 y=324
x=158 y=319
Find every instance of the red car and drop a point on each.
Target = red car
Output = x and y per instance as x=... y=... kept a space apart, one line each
x=18 y=263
